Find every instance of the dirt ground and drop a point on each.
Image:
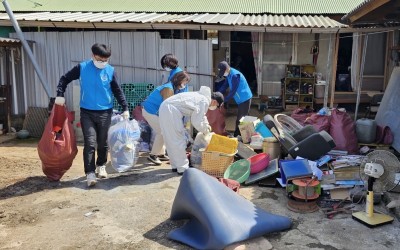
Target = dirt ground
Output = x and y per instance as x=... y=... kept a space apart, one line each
x=131 y=210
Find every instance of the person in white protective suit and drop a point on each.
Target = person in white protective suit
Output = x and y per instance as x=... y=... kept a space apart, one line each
x=173 y=109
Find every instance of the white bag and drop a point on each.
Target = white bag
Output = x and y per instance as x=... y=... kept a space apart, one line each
x=201 y=141
x=123 y=144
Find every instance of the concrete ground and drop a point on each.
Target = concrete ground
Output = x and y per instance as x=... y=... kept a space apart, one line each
x=131 y=210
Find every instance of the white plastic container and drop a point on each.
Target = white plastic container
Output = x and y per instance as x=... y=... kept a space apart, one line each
x=320 y=89
x=366 y=130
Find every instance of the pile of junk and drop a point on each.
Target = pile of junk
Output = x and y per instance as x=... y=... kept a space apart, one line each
x=315 y=158
x=325 y=161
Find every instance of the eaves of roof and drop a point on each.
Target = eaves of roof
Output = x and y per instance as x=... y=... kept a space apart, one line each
x=264 y=20
x=309 y=7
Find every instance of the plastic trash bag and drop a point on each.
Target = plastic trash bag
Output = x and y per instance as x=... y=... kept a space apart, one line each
x=124 y=145
x=201 y=141
x=57 y=147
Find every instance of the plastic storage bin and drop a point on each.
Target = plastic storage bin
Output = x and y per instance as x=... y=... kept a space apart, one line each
x=366 y=130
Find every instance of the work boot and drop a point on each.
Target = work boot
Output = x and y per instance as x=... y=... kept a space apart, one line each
x=101 y=172
x=154 y=159
x=91 y=179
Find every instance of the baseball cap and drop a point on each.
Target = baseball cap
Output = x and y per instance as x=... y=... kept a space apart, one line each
x=222 y=66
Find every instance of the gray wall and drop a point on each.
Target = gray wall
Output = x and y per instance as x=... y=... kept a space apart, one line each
x=135 y=56
x=305 y=42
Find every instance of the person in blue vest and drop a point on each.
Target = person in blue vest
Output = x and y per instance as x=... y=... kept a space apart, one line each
x=99 y=86
x=239 y=90
x=150 y=112
x=169 y=62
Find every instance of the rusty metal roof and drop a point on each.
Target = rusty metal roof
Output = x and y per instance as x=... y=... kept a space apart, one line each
x=5 y=41
x=263 y=20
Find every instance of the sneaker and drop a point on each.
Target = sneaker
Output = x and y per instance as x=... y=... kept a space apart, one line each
x=154 y=159
x=101 y=172
x=163 y=157
x=91 y=179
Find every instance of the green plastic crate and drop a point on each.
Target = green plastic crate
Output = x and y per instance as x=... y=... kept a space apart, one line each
x=135 y=93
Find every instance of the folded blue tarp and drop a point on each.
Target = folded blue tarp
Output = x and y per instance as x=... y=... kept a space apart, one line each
x=217 y=216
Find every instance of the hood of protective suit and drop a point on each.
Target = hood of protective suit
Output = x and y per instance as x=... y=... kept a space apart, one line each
x=206 y=91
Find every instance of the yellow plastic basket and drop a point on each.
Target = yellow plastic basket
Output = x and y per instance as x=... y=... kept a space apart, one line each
x=215 y=163
x=223 y=144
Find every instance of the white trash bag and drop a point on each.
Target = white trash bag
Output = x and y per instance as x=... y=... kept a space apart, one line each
x=123 y=144
x=201 y=141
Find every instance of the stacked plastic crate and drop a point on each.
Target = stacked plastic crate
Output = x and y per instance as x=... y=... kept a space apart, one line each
x=135 y=93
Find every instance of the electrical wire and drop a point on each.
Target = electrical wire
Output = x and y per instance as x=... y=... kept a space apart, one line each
x=313 y=40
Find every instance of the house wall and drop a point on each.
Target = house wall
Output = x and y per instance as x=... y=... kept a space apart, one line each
x=223 y=52
x=135 y=57
x=305 y=42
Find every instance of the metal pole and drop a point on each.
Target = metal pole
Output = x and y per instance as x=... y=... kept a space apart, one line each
x=26 y=46
x=359 y=86
x=328 y=73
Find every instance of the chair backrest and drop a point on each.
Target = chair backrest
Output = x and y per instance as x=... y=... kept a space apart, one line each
x=287 y=123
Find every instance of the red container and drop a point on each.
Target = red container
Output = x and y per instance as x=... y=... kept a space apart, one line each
x=258 y=162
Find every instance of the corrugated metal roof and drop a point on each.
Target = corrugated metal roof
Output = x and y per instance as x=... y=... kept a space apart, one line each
x=300 y=21
x=188 y=6
x=9 y=40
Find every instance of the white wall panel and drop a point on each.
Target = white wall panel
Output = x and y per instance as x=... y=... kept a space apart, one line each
x=135 y=57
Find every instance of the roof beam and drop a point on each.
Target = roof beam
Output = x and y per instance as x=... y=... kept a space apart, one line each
x=368 y=7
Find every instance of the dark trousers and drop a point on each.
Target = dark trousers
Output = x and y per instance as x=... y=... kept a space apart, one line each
x=95 y=125
x=243 y=110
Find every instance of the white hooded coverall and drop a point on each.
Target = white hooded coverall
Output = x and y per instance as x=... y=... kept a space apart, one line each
x=172 y=110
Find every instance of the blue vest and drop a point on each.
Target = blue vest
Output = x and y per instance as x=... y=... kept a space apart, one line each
x=96 y=91
x=173 y=72
x=243 y=92
x=153 y=101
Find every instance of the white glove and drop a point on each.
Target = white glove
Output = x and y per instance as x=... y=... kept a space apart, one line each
x=208 y=130
x=125 y=115
x=60 y=101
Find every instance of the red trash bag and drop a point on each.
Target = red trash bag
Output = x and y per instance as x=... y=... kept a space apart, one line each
x=301 y=115
x=57 y=147
x=343 y=132
x=319 y=122
x=216 y=119
x=384 y=135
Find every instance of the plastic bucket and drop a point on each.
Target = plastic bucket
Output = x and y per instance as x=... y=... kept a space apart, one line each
x=320 y=89
x=273 y=148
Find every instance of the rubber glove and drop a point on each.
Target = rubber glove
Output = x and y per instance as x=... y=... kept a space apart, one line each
x=125 y=115
x=208 y=130
x=59 y=101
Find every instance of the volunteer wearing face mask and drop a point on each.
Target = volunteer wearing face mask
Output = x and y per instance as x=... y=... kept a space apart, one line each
x=239 y=90
x=150 y=112
x=169 y=62
x=98 y=88
x=172 y=110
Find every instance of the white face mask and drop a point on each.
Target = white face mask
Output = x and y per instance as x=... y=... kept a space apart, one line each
x=226 y=74
x=182 y=87
x=212 y=107
x=99 y=64
x=167 y=69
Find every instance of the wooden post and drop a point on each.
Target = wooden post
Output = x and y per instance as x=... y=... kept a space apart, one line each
x=334 y=68
x=389 y=44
